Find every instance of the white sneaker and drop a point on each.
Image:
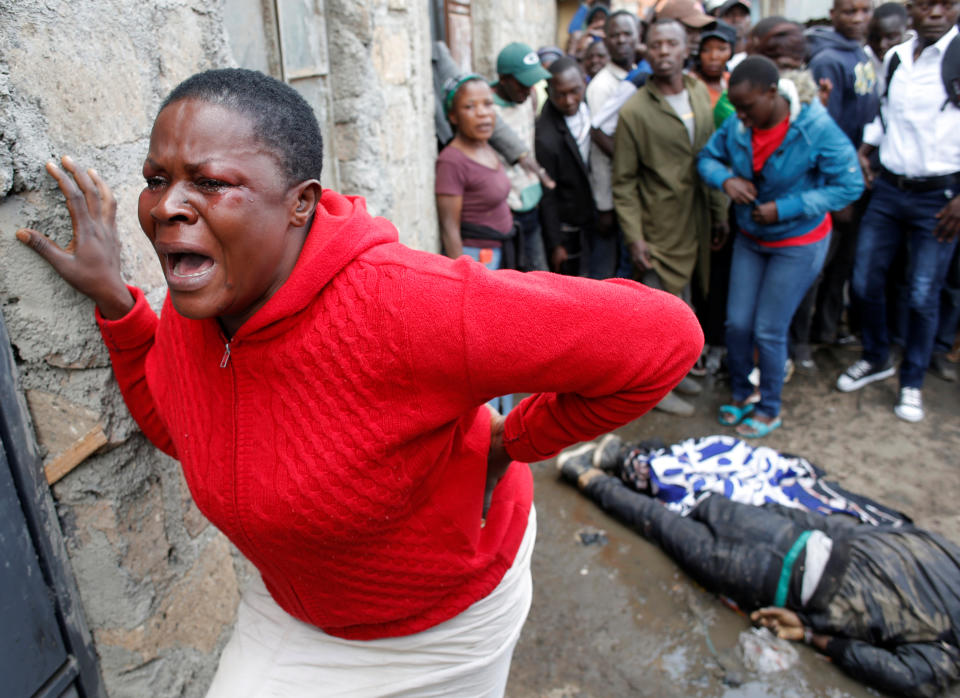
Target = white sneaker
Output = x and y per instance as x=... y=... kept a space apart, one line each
x=863 y=372
x=910 y=406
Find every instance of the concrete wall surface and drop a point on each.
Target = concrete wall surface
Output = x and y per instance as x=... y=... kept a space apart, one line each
x=499 y=22
x=158 y=585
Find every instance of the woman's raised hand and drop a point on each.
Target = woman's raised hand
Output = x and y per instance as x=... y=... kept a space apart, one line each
x=91 y=261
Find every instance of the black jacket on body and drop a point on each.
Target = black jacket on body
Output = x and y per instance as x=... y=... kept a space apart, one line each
x=889 y=597
x=571 y=203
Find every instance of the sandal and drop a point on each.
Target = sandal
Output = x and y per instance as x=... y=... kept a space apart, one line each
x=755 y=429
x=732 y=415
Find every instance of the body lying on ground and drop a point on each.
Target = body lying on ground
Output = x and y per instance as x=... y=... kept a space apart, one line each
x=883 y=602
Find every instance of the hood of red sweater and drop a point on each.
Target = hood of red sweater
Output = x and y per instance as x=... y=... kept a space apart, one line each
x=342 y=230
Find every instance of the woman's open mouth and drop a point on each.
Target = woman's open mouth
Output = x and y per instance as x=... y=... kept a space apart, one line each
x=187 y=270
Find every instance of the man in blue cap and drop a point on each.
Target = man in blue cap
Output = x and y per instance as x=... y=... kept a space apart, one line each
x=519 y=69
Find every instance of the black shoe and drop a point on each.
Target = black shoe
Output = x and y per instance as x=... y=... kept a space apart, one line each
x=942 y=368
x=610 y=453
x=575 y=462
x=861 y=373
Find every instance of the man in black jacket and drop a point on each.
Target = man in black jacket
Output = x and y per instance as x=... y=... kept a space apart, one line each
x=883 y=602
x=568 y=212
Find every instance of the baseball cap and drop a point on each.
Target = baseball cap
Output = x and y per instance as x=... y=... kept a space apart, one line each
x=718 y=7
x=523 y=63
x=688 y=12
x=720 y=30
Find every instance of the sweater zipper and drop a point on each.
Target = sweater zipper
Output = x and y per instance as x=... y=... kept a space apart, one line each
x=226 y=355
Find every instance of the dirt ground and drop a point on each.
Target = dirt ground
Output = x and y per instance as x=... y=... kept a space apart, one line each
x=620 y=619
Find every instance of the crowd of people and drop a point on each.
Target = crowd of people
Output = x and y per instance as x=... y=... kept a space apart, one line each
x=795 y=186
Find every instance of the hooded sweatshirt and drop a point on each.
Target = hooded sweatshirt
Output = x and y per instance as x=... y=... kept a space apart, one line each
x=340 y=437
x=854 y=100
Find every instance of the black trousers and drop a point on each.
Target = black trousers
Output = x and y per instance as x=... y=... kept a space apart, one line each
x=732 y=549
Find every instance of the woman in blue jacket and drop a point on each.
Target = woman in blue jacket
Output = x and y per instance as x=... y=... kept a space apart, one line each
x=785 y=165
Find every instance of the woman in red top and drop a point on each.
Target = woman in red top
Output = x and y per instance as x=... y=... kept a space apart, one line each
x=323 y=387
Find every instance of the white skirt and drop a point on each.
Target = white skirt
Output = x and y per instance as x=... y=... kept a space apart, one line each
x=271 y=654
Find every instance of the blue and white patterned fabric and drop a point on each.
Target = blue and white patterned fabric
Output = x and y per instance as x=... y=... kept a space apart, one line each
x=682 y=474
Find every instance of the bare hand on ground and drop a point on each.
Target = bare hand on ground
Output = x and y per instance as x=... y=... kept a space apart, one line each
x=497 y=458
x=783 y=623
x=91 y=261
x=640 y=255
x=740 y=190
x=948 y=221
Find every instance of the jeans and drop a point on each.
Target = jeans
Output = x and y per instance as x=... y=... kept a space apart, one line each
x=949 y=307
x=601 y=256
x=531 y=236
x=894 y=215
x=766 y=286
x=504 y=403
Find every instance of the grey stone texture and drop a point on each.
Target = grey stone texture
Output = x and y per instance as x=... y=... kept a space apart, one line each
x=158 y=585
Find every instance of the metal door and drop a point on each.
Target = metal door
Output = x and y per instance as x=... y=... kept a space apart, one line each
x=45 y=649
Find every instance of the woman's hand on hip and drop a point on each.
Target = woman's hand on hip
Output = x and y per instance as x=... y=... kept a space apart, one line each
x=498 y=460
x=91 y=260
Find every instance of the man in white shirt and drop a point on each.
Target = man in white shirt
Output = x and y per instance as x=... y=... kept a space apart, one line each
x=916 y=198
x=621 y=41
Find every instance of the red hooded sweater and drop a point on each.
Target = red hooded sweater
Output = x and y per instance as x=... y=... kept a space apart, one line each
x=341 y=442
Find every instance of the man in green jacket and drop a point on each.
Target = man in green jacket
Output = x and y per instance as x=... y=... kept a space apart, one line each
x=666 y=211
x=668 y=215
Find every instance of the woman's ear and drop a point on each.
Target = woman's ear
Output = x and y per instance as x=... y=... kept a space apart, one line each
x=307 y=196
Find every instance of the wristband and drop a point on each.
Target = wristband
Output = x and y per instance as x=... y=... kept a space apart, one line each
x=807 y=636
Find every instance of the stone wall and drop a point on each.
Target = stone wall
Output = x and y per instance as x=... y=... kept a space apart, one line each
x=496 y=24
x=158 y=585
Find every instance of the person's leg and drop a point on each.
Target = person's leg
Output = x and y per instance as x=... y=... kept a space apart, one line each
x=799 y=331
x=787 y=277
x=535 y=256
x=928 y=262
x=726 y=547
x=746 y=272
x=601 y=255
x=949 y=321
x=837 y=272
x=877 y=245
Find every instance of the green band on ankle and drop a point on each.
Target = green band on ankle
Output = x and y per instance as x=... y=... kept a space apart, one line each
x=780 y=598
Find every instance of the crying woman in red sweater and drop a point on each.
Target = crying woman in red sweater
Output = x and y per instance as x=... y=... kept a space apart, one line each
x=323 y=387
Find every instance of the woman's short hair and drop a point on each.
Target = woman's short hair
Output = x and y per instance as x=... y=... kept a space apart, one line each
x=758 y=71
x=282 y=120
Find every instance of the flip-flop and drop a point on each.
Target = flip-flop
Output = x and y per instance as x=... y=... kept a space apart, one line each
x=732 y=415
x=755 y=429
